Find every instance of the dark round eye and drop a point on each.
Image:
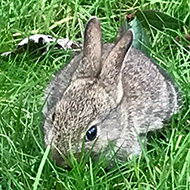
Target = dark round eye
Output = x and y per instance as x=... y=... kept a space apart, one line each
x=53 y=116
x=91 y=133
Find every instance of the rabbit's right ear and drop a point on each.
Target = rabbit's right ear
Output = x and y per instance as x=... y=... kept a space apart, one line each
x=93 y=41
x=90 y=65
x=111 y=69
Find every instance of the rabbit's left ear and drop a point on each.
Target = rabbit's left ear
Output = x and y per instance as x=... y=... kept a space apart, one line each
x=112 y=66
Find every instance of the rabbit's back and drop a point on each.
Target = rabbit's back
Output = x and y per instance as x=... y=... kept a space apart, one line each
x=150 y=96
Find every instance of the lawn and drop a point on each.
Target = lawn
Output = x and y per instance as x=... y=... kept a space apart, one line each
x=24 y=161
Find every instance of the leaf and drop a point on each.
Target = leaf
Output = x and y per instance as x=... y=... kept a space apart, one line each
x=140 y=40
x=158 y=20
x=143 y=19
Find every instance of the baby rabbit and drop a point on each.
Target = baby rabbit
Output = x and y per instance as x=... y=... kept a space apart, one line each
x=107 y=93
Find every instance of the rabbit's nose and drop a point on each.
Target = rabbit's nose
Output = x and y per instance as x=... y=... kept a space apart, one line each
x=78 y=156
x=69 y=161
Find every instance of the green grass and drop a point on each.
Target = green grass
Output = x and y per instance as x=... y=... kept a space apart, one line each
x=24 y=162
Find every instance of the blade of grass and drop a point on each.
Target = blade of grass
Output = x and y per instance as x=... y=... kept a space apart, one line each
x=39 y=173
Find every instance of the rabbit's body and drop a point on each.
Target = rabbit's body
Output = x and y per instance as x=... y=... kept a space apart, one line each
x=110 y=93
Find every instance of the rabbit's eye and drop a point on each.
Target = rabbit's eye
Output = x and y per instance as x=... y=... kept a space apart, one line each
x=91 y=133
x=53 y=116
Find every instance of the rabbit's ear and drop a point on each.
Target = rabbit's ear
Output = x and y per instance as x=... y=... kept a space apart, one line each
x=112 y=66
x=93 y=40
x=120 y=32
x=90 y=65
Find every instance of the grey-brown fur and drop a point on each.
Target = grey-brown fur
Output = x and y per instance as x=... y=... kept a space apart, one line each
x=113 y=86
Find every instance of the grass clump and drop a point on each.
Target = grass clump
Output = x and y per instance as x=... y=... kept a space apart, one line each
x=24 y=162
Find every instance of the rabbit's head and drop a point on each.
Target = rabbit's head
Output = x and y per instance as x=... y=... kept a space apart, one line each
x=87 y=110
